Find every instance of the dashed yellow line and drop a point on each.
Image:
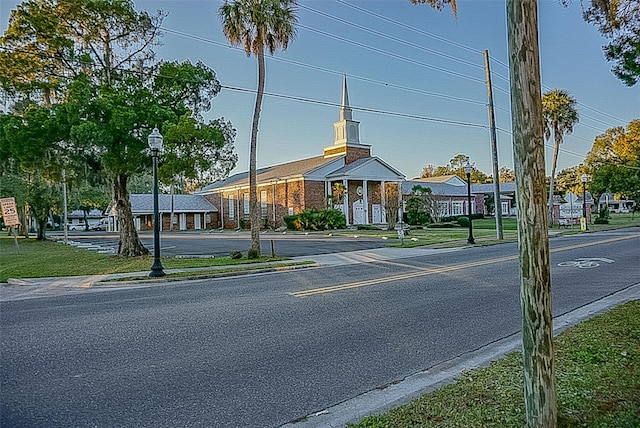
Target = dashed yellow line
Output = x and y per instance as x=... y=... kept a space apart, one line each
x=444 y=269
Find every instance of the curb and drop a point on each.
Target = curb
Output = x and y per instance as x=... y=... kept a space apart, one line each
x=386 y=397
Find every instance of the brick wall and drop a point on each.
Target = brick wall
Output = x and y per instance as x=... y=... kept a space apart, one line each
x=355 y=153
x=315 y=196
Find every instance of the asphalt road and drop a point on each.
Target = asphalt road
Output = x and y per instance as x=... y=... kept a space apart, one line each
x=262 y=350
x=220 y=244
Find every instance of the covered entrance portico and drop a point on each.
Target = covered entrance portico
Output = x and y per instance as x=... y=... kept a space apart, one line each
x=358 y=190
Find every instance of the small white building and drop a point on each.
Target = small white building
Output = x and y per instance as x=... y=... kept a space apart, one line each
x=616 y=205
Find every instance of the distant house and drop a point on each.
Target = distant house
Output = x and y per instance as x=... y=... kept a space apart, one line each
x=507 y=196
x=293 y=187
x=191 y=212
x=451 y=194
x=616 y=205
x=77 y=219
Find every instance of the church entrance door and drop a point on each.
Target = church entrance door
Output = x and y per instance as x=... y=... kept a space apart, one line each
x=376 y=213
x=358 y=212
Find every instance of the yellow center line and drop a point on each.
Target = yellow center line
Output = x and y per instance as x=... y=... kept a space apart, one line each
x=444 y=269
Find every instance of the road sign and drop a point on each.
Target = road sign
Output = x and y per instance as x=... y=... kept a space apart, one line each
x=9 y=212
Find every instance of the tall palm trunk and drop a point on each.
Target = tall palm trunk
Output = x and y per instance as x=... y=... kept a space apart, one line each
x=557 y=137
x=130 y=244
x=254 y=209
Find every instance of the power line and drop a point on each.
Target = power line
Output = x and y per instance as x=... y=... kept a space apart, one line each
x=335 y=72
x=393 y=38
x=205 y=40
x=202 y=39
x=391 y=54
x=408 y=27
x=362 y=109
x=465 y=47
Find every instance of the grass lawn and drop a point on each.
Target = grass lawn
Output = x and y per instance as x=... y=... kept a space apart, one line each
x=597 y=378
x=484 y=231
x=38 y=259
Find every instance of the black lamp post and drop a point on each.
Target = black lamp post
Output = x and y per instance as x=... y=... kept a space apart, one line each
x=467 y=169
x=155 y=144
x=583 y=178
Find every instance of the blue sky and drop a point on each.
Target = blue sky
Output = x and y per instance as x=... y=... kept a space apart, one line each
x=423 y=67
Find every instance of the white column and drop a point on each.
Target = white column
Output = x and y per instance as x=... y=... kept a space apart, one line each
x=221 y=212
x=345 y=200
x=365 y=201
x=273 y=201
x=327 y=192
x=383 y=202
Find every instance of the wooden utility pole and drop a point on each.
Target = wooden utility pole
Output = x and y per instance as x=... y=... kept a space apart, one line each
x=533 y=236
x=494 y=152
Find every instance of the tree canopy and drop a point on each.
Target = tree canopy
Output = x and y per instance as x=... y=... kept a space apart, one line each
x=87 y=68
x=455 y=167
x=614 y=162
x=619 y=22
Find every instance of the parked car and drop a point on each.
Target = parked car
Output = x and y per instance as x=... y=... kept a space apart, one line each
x=79 y=226
x=101 y=225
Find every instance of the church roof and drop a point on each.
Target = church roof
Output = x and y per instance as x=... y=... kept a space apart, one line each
x=451 y=179
x=276 y=172
x=507 y=187
x=444 y=189
x=359 y=166
x=143 y=204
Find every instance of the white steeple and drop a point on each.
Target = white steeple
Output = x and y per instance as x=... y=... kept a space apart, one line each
x=346 y=139
x=345 y=110
x=347 y=130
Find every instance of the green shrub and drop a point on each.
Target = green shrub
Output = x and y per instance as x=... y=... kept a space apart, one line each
x=290 y=221
x=418 y=218
x=253 y=254
x=463 y=221
x=235 y=255
x=313 y=219
x=366 y=227
x=415 y=213
x=454 y=218
x=444 y=225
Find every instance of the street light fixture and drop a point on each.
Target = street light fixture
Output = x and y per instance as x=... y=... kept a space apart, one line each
x=584 y=178
x=155 y=144
x=468 y=168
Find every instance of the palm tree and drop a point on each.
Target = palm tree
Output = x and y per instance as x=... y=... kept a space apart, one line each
x=258 y=25
x=560 y=115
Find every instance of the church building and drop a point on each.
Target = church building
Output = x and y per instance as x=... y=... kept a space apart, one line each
x=345 y=177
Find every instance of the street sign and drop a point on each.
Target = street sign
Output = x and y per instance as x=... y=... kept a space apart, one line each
x=9 y=212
